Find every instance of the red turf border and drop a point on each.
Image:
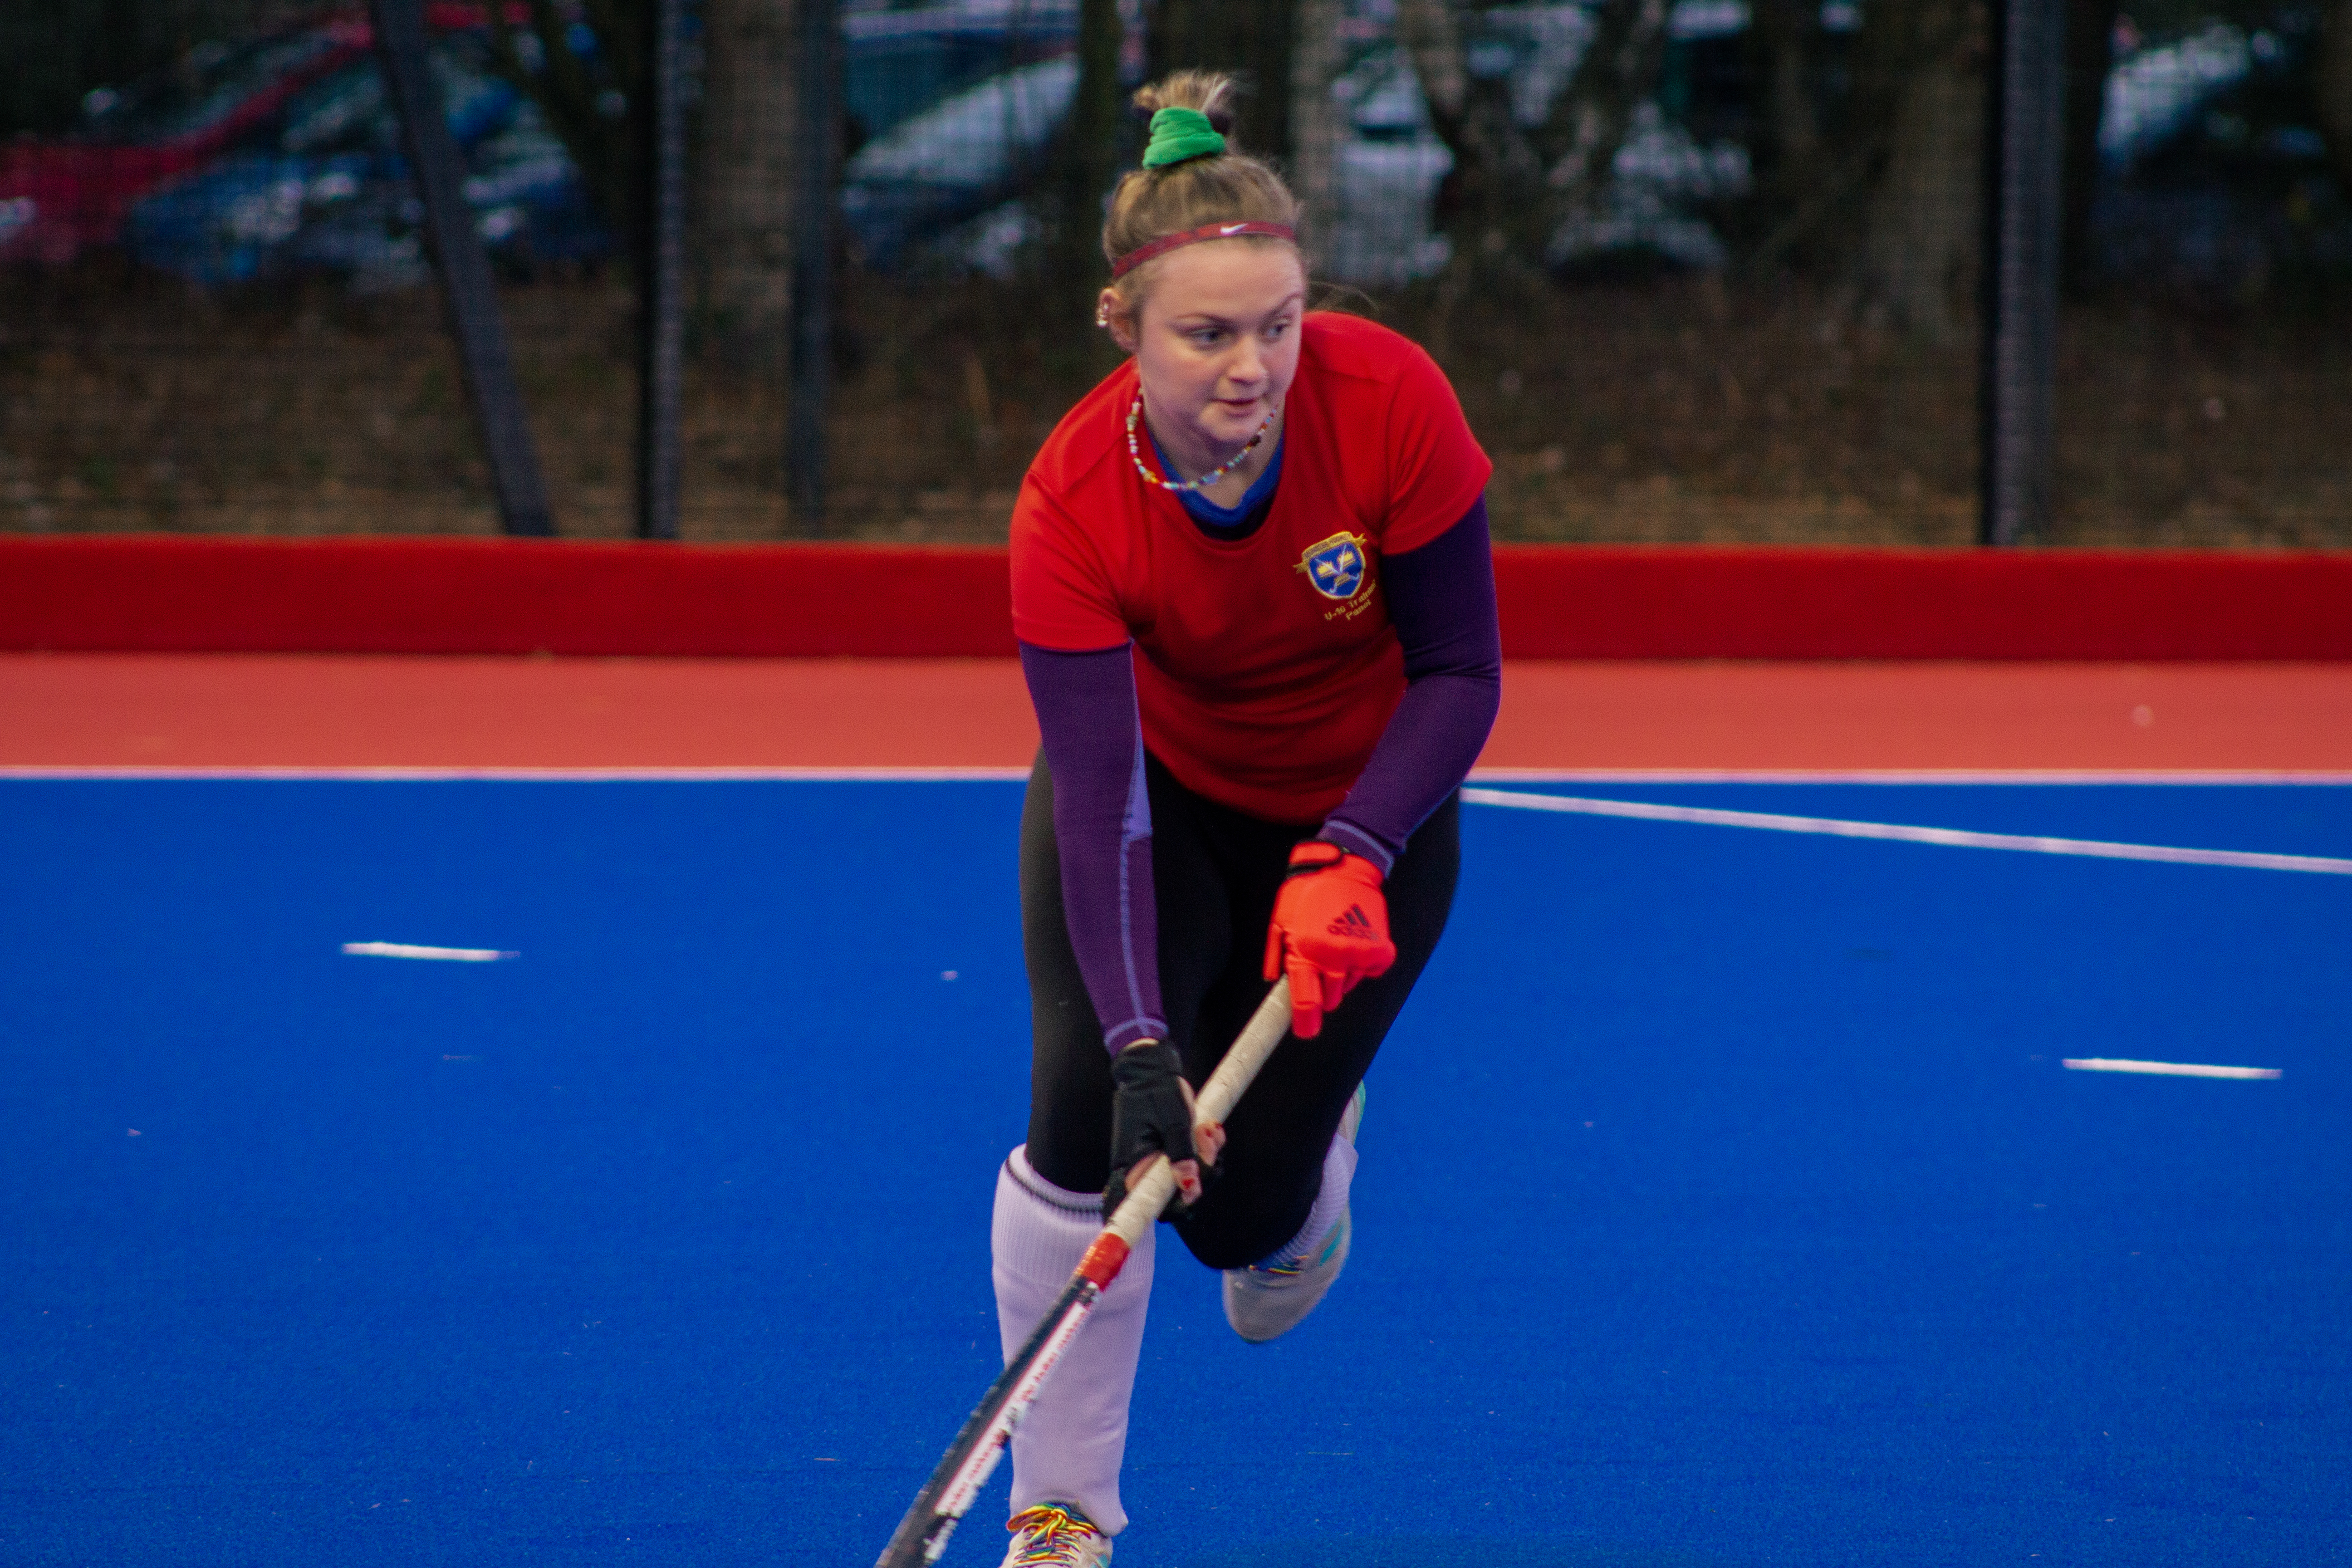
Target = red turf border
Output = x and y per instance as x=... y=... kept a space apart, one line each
x=174 y=594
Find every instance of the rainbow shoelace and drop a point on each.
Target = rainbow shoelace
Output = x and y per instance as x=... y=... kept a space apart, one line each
x=1299 y=1266
x=1053 y=1532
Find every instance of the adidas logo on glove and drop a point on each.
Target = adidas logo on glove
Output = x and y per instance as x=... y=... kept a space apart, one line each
x=1330 y=931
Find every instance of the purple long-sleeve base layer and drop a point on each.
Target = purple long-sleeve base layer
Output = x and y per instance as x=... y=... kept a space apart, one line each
x=1441 y=602
x=1093 y=733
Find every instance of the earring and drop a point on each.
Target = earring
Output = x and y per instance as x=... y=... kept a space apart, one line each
x=1102 y=315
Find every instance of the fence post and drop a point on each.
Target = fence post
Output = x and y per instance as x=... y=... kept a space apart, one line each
x=467 y=291
x=2025 y=158
x=661 y=325
x=811 y=305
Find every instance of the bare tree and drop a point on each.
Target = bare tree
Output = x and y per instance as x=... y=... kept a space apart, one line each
x=52 y=52
x=2090 y=54
x=1780 y=43
x=2334 y=88
x=1088 y=155
x=1618 y=72
x=1253 y=40
x=1431 y=33
x=1922 y=67
x=1513 y=184
x=749 y=162
x=593 y=102
x=1317 y=58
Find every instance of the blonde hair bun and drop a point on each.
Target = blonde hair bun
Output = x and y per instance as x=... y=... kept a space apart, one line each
x=1230 y=186
x=1209 y=93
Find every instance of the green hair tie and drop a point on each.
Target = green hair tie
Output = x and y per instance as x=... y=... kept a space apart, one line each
x=1179 y=135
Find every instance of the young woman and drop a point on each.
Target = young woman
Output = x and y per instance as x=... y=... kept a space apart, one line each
x=1256 y=613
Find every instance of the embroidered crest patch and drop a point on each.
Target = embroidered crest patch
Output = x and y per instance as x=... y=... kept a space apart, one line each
x=1337 y=567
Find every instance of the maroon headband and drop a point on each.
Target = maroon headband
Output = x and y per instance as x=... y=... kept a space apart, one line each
x=1166 y=243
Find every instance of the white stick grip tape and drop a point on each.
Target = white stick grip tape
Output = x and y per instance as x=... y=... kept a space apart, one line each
x=1210 y=1108
x=1266 y=1029
x=1257 y=1041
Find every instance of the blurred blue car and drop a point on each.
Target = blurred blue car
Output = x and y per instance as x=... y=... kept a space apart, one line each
x=324 y=185
x=903 y=59
x=328 y=187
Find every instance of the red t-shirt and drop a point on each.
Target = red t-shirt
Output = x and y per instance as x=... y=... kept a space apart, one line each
x=1267 y=666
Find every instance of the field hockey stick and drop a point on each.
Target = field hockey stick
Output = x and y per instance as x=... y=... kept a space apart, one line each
x=955 y=1485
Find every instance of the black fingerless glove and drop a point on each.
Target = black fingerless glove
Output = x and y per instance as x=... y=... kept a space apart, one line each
x=1147 y=1115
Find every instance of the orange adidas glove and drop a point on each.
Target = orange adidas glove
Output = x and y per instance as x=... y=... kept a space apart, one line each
x=1330 y=931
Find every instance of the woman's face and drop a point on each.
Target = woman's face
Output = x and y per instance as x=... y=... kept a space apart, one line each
x=1216 y=343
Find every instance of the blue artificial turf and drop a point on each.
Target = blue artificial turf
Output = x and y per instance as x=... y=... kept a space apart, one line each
x=1723 y=1201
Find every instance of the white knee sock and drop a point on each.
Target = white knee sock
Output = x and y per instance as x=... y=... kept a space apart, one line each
x=1330 y=1203
x=1068 y=1448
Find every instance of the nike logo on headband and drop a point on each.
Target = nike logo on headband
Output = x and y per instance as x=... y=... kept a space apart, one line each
x=1162 y=245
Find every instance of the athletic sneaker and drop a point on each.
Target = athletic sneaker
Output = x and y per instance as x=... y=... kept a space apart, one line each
x=1267 y=1301
x=1055 y=1535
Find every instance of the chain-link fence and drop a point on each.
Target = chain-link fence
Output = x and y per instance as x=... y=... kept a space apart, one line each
x=1704 y=269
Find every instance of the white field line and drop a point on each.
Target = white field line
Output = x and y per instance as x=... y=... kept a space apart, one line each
x=1909 y=776
x=1950 y=838
x=2167 y=1070
x=410 y=950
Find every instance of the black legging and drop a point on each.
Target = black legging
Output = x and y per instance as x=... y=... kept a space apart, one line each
x=1215 y=871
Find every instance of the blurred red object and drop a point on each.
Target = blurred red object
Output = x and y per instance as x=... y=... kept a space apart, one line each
x=62 y=195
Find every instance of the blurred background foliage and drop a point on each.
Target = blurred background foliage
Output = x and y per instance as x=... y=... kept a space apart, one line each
x=1702 y=268
x=54 y=53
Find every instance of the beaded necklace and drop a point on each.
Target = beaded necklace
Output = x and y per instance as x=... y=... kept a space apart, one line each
x=1135 y=451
